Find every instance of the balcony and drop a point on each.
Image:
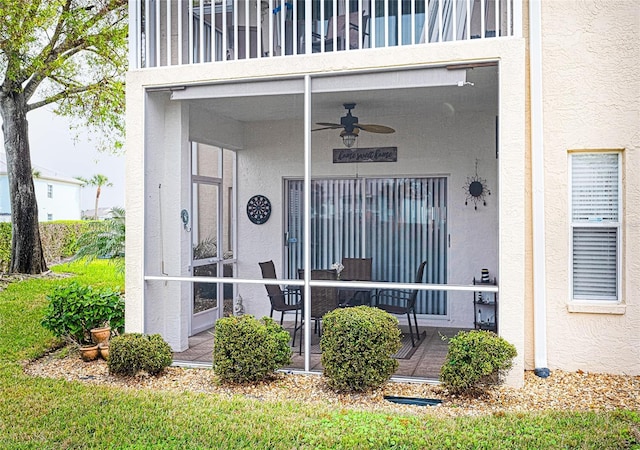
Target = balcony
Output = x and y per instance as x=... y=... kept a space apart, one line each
x=178 y=32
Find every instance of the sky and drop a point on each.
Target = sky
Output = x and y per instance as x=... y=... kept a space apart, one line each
x=54 y=148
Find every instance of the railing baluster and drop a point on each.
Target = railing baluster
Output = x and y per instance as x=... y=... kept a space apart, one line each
x=247 y=29
x=454 y=20
x=158 y=41
x=508 y=27
x=386 y=23
x=399 y=40
x=497 y=4
x=483 y=11
x=468 y=19
x=440 y=25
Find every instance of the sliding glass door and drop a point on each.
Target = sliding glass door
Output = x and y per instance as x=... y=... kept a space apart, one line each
x=398 y=222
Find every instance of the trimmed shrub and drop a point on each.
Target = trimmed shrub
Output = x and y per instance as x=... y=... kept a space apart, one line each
x=475 y=359
x=59 y=240
x=74 y=309
x=246 y=349
x=358 y=345
x=135 y=352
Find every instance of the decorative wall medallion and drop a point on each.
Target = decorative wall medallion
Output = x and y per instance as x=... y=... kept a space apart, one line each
x=476 y=190
x=258 y=209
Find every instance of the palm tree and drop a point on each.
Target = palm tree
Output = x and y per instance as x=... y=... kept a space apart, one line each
x=104 y=239
x=97 y=180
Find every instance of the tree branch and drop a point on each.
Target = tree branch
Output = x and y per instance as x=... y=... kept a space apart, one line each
x=64 y=94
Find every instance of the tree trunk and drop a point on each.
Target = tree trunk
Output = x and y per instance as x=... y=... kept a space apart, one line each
x=95 y=211
x=26 y=248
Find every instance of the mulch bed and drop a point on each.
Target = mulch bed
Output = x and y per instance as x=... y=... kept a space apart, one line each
x=576 y=391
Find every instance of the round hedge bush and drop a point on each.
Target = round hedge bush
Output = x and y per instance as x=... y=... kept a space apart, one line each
x=476 y=358
x=134 y=352
x=246 y=349
x=358 y=345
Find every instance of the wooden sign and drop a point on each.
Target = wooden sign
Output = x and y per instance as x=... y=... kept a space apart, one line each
x=361 y=155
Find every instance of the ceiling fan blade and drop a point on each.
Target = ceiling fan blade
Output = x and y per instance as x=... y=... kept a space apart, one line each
x=374 y=128
x=330 y=125
x=325 y=128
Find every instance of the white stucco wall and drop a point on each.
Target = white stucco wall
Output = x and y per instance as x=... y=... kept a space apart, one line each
x=156 y=131
x=591 y=60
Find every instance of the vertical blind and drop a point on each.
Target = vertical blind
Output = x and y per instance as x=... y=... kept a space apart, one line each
x=398 y=222
x=595 y=210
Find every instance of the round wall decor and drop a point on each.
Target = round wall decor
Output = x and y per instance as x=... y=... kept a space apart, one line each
x=476 y=190
x=258 y=209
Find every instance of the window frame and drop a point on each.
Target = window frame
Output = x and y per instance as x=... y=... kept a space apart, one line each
x=617 y=225
x=49 y=190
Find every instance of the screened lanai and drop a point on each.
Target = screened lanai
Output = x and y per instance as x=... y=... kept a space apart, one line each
x=225 y=146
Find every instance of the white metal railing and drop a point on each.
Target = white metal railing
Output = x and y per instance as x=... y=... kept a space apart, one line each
x=175 y=32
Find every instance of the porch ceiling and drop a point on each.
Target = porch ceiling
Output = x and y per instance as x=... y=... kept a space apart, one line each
x=482 y=96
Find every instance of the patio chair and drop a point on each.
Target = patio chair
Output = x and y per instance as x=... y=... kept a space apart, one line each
x=355 y=269
x=323 y=299
x=341 y=33
x=399 y=302
x=285 y=301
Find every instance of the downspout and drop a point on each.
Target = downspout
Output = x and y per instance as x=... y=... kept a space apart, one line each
x=537 y=182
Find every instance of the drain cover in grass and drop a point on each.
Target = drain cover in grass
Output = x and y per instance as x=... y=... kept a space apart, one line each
x=413 y=400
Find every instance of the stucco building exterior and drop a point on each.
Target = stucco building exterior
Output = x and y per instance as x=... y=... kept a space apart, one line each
x=538 y=103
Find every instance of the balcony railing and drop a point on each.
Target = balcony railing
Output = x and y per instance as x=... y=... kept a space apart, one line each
x=174 y=32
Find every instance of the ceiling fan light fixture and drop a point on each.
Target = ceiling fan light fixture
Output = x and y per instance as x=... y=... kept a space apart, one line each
x=349 y=138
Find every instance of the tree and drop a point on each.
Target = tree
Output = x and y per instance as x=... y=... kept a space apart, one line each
x=67 y=53
x=97 y=180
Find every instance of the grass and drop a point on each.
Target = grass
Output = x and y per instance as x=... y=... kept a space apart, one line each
x=53 y=414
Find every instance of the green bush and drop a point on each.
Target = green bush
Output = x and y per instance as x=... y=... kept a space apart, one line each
x=74 y=309
x=133 y=352
x=358 y=345
x=5 y=246
x=476 y=358
x=59 y=240
x=246 y=349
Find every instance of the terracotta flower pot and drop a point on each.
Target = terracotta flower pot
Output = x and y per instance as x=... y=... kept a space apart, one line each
x=103 y=347
x=99 y=335
x=89 y=352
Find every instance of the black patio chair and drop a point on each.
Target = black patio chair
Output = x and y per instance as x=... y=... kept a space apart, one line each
x=355 y=269
x=397 y=301
x=285 y=301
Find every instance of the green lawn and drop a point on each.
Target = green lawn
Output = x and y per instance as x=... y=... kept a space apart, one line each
x=53 y=414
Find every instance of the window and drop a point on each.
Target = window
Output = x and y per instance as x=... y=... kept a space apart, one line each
x=49 y=190
x=595 y=225
x=49 y=217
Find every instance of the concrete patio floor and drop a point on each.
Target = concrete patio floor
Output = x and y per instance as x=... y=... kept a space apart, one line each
x=424 y=363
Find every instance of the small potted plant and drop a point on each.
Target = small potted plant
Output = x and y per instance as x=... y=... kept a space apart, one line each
x=89 y=352
x=101 y=334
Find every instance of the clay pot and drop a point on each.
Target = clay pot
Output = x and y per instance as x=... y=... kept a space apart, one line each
x=89 y=352
x=99 y=335
x=103 y=348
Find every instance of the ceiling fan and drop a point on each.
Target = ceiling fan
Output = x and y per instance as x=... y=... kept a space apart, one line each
x=351 y=127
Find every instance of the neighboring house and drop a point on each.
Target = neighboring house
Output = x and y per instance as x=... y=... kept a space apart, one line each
x=515 y=147
x=58 y=197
